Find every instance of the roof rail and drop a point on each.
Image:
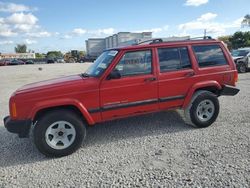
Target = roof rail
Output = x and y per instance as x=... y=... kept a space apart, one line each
x=201 y=38
x=152 y=41
x=160 y=40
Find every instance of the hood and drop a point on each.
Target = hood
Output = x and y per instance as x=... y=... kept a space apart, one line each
x=237 y=57
x=62 y=81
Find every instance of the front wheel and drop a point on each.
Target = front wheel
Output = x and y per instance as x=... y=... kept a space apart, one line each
x=59 y=133
x=203 y=109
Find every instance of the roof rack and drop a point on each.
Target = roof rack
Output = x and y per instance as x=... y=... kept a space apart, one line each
x=160 y=40
x=152 y=41
x=201 y=38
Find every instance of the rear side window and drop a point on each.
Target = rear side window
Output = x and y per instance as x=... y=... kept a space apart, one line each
x=171 y=59
x=211 y=55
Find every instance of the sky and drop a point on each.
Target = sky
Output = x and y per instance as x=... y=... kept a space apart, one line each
x=65 y=25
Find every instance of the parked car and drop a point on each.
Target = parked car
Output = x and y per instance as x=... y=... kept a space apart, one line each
x=124 y=82
x=242 y=59
x=4 y=62
x=49 y=61
x=60 y=60
x=29 y=62
x=16 y=62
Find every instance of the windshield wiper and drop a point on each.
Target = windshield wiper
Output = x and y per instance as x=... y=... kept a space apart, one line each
x=85 y=75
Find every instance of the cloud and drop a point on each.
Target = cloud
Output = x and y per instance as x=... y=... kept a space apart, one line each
x=107 y=31
x=206 y=17
x=21 y=18
x=40 y=34
x=102 y=32
x=24 y=28
x=5 y=31
x=12 y=7
x=29 y=41
x=196 y=3
x=1 y=20
x=22 y=23
x=79 y=31
x=7 y=42
x=154 y=30
x=206 y=21
x=66 y=37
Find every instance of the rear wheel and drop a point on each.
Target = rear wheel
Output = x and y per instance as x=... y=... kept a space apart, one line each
x=59 y=133
x=203 y=109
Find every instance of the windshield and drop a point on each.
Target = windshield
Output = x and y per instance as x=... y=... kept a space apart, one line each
x=101 y=63
x=236 y=53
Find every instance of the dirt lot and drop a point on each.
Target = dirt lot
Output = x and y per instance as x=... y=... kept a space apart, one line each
x=146 y=151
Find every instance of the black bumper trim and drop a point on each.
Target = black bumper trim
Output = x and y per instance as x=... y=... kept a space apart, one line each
x=229 y=90
x=20 y=127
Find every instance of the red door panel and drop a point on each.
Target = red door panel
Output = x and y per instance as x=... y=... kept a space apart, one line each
x=173 y=86
x=126 y=96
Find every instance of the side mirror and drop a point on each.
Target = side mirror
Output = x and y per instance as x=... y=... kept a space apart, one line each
x=115 y=74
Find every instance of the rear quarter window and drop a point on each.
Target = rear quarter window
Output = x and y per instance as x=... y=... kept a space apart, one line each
x=209 y=55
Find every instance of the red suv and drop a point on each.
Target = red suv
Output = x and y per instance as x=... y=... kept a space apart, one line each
x=124 y=82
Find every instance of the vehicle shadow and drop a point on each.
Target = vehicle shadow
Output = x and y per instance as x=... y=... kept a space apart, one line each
x=165 y=122
x=15 y=151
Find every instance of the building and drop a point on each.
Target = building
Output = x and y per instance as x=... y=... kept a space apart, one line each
x=17 y=56
x=95 y=46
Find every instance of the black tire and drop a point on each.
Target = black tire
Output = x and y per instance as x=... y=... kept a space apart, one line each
x=192 y=114
x=40 y=128
x=242 y=68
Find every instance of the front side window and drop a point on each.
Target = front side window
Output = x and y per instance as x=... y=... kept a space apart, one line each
x=209 y=55
x=171 y=59
x=135 y=63
x=101 y=63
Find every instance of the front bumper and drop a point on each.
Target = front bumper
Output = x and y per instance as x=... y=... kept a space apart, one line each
x=20 y=127
x=229 y=90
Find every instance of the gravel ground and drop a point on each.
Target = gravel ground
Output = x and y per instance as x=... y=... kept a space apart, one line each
x=157 y=150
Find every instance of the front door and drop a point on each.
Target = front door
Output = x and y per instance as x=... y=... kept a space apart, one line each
x=135 y=92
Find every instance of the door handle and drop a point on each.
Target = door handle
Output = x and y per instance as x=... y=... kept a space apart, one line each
x=151 y=79
x=189 y=74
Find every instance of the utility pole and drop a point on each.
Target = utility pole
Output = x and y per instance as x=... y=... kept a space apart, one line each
x=205 y=33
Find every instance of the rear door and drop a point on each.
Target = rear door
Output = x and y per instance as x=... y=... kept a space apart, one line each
x=175 y=75
x=136 y=91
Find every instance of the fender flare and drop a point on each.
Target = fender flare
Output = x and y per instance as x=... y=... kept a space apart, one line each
x=61 y=102
x=199 y=85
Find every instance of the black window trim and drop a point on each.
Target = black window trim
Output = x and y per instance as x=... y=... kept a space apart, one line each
x=208 y=66
x=181 y=69
x=139 y=50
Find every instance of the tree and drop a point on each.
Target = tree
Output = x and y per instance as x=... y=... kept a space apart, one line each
x=40 y=56
x=21 y=48
x=240 y=39
x=54 y=54
x=246 y=21
x=226 y=40
x=82 y=53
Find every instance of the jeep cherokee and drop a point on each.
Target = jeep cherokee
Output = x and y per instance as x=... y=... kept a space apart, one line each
x=123 y=82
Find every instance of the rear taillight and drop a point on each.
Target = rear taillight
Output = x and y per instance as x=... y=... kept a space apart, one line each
x=235 y=76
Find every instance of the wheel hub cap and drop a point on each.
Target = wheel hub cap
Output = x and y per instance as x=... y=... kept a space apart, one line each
x=205 y=110
x=60 y=135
